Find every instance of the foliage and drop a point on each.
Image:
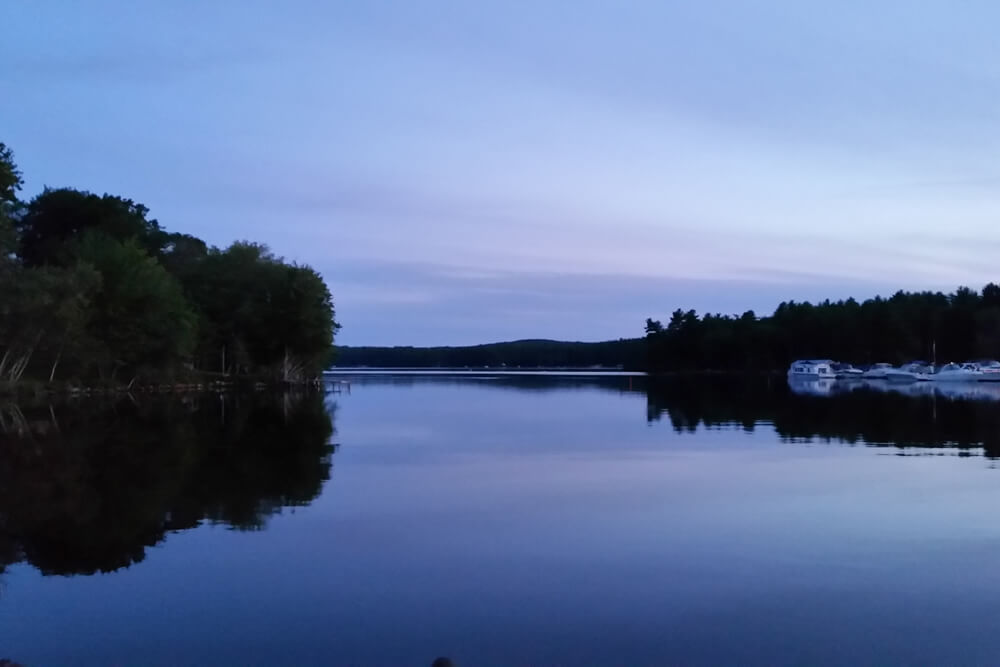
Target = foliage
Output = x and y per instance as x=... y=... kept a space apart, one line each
x=43 y=314
x=10 y=184
x=247 y=298
x=57 y=218
x=908 y=326
x=10 y=176
x=139 y=316
x=92 y=285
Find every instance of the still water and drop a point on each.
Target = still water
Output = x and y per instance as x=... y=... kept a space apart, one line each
x=505 y=521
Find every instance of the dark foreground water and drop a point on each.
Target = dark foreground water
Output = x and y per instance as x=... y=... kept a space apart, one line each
x=506 y=521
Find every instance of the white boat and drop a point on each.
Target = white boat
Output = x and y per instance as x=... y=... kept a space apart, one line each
x=812 y=369
x=957 y=373
x=877 y=372
x=912 y=372
x=990 y=369
x=847 y=372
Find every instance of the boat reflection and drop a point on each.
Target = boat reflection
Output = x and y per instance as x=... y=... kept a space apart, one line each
x=966 y=391
x=822 y=387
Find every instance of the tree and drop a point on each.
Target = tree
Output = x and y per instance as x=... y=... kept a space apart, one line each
x=71 y=292
x=10 y=177
x=10 y=184
x=54 y=221
x=139 y=317
x=303 y=298
x=991 y=295
x=44 y=308
x=260 y=314
x=182 y=255
x=92 y=282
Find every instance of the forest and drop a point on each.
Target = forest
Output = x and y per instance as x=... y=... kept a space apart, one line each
x=928 y=326
x=95 y=290
x=625 y=353
x=908 y=326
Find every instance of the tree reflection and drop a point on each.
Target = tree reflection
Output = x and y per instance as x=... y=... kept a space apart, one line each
x=862 y=415
x=87 y=487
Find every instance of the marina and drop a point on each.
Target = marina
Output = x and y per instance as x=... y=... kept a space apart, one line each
x=914 y=371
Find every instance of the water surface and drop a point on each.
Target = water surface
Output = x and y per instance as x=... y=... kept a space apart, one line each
x=502 y=521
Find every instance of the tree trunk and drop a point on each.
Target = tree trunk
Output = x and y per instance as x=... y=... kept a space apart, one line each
x=17 y=370
x=55 y=364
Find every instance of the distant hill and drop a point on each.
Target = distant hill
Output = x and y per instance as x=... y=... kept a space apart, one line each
x=626 y=353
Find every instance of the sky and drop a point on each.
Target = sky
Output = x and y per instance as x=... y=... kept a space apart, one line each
x=467 y=172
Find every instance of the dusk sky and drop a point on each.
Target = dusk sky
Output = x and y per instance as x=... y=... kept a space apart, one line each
x=465 y=172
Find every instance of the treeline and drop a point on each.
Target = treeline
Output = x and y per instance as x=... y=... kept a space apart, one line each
x=92 y=287
x=907 y=326
x=624 y=353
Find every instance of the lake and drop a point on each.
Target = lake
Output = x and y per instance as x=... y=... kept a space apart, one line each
x=505 y=520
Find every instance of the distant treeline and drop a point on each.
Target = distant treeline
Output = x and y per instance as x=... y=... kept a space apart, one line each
x=92 y=288
x=907 y=326
x=624 y=353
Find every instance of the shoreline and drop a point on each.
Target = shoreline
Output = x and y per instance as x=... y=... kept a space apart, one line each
x=29 y=388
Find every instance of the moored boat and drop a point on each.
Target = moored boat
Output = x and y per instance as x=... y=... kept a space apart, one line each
x=812 y=369
x=912 y=372
x=877 y=371
x=990 y=369
x=957 y=373
x=847 y=371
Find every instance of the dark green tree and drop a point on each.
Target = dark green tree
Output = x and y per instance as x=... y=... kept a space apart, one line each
x=58 y=218
x=246 y=298
x=10 y=176
x=92 y=284
x=139 y=317
x=10 y=184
